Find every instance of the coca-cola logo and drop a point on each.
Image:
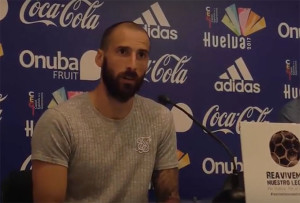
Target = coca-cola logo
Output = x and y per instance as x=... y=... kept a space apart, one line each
x=1 y=100
x=67 y=15
x=168 y=68
x=225 y=121
x=26 y=165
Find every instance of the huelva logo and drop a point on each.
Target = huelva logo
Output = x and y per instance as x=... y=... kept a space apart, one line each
x=243 y=21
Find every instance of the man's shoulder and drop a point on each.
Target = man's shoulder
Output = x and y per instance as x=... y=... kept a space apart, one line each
x=71 y=106
x=148 y=101
x=290 y=112
x=295 y=102
x=73 y=102
x=293 y=105
x=151 y=105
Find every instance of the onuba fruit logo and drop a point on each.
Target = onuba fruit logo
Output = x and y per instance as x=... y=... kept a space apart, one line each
x=285 y=148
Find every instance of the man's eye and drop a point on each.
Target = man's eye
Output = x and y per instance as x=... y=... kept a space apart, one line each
x=122 y=51
x=142 y=54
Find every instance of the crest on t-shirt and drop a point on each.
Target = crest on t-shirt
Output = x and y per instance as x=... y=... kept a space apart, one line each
x=143 y=144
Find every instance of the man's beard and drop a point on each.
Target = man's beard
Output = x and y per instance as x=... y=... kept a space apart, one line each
x=118 y=90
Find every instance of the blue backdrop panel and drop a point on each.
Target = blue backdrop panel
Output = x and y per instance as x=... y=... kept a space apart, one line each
x=224 y=61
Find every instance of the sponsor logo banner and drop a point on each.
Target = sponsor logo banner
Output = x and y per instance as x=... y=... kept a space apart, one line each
x=242 y=22
x=36 y=101
x=3 y=9
x=61 y=66
x=287 y=31
x=156 y=24
x=237 y=78
x=228 y=122
x=169 y=68
x=74 y=13
x=291 y=92
x=2 y=98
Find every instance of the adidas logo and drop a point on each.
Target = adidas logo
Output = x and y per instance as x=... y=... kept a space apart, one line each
x=240 y=79
x=156 y=24
x=243 y=21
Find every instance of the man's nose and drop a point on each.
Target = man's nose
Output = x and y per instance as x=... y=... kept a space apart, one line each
x=132 y=62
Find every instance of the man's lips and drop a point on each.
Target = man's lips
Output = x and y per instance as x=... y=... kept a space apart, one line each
x=129 y=75
x=126 y=77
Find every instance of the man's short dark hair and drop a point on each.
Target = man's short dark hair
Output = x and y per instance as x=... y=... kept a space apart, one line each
x=105 y=38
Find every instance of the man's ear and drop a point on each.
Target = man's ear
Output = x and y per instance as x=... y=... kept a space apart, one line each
x=99 y=58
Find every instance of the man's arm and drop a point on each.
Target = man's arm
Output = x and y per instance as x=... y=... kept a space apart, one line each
x=49 y=182
x=166 y=185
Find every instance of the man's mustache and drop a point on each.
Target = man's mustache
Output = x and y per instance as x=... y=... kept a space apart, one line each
x=130 y=74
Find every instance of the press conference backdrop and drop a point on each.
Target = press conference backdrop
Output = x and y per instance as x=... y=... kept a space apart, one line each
x=222 y=61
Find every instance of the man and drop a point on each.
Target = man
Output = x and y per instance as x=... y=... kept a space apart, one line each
x=290 y=112
x=106 y=145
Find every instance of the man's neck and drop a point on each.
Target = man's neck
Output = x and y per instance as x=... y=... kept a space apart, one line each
x=109 y=106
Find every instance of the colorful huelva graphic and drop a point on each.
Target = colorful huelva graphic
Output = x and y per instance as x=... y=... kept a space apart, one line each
x=243 y=21
x=61 y=95
x=183 y=159
x=1 y=50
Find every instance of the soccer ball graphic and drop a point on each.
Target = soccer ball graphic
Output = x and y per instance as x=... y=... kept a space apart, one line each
x=285 y=148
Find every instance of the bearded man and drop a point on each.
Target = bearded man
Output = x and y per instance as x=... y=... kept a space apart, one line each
x=108 y=144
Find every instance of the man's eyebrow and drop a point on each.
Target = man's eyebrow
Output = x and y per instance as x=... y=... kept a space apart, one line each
x=124 y=47
x=144 y=50
x=127 y=47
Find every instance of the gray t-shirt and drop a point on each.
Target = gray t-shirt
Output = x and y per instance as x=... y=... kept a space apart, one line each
x=108 y=160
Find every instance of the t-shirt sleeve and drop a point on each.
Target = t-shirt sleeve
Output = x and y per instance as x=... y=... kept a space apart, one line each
x=51 y=139
x=167 y=147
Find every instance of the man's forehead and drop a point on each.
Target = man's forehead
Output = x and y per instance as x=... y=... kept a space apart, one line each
x=129 y=27
x=125 y=36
